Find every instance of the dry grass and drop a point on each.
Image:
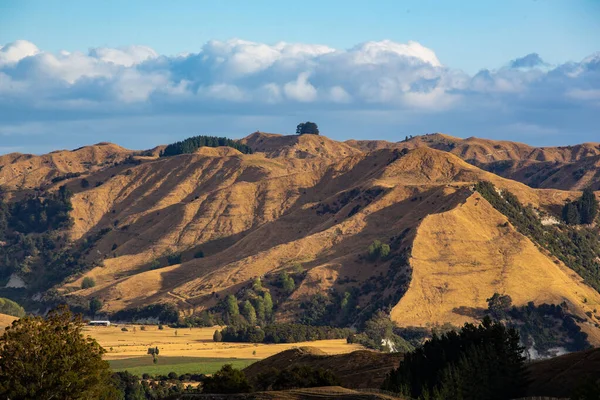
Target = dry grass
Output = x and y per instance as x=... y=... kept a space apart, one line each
x=463 y=256
x=194 y=342
x=6 y=320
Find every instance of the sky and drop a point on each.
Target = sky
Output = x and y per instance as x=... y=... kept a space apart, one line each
x=141 y=73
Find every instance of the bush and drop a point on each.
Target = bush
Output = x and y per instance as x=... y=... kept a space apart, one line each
x=199 y=254
x=155 y=264
x=378 y=250
x=173 y=259
x=123 y=329
x=160 y=327
x=88 y=282
x=172 y=375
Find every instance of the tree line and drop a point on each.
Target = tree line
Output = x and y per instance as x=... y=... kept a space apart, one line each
x=192 y=144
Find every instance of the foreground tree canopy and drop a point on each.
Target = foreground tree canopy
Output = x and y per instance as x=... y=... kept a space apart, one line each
x=49 y=358
x=483 y=362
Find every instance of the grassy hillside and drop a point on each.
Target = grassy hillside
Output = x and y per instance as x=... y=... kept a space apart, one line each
x=190 y=229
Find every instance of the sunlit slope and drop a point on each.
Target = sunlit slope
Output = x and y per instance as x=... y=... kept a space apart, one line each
x=463 y=256
x=253 y=215
x=563 y=167
x=27 y=171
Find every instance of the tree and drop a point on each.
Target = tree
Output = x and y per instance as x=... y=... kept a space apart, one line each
x=582 y=211
x=498 y=305
x=249 y=312
x=88 y=282
x=49 y=358
x=483 y=362
x=217 y=337
x=232 y=306
x=298 y=376
x=287 y=283
x=588 y=206
x=227 y=380
x=268 y=305
x=570 y=214
x=307 y=128
x=257 y=285
x=95 y=306
x=259 y=306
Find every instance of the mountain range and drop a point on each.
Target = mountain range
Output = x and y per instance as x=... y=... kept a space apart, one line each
x=190 y=229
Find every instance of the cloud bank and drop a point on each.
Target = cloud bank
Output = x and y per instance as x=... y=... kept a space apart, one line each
x=398 y=87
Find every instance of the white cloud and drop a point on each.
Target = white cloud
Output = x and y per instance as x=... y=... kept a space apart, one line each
x=16 y=51
x=286 y=78
x=126 y=56
x=300 y=89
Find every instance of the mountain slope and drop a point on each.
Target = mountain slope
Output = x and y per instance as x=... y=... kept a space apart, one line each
x=465 y=255
x=192 y=228
x=27 y=171
x=565 y=167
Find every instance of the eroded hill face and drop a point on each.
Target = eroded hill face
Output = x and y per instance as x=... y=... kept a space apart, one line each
x=312 y=206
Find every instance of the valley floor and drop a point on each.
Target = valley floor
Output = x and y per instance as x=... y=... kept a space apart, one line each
x=189 y=347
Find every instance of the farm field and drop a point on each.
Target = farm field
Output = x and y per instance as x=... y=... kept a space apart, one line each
x=194 y=342
x=179 y=365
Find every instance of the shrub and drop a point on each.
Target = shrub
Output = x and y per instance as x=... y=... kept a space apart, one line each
x=123 y=329
x=173 y=259
x=88 y=282
x=155 y=264
x=378 y=250
x=173 y=375
x=199 y=254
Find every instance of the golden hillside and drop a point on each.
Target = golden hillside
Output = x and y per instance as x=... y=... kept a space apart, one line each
x=564 y=167
x=28 y=171
x=311 y=204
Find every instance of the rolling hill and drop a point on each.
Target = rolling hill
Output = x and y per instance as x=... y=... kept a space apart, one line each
x=190 y=229
x=565 y=167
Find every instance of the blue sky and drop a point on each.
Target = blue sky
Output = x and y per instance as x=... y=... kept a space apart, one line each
x=350 y=65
